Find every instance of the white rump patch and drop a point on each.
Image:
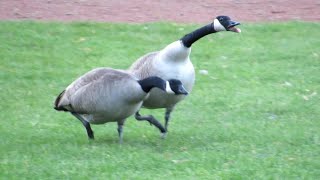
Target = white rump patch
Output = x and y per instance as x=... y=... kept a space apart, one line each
x=218 y=26
x=168 y=88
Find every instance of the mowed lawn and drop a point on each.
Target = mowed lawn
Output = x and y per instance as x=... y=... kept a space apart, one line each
x=254 y=115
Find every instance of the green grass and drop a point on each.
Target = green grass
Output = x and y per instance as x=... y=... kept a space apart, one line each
x=256 y=115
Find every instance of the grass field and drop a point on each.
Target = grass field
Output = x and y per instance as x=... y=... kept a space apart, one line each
x=255 y=115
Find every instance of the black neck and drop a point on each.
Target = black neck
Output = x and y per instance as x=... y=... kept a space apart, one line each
x=192 y=37
x=148 y=83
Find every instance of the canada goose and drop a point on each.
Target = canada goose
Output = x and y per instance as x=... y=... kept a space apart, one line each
x=173 y=62
x=107 y=95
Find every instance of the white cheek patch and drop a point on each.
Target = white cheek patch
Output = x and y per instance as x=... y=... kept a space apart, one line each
x=168 y=88
x=218 y=26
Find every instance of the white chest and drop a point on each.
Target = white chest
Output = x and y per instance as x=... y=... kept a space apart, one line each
x=182 y=70
x=173 y=63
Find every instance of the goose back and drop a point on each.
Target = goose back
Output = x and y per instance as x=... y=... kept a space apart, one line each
x=106 y=94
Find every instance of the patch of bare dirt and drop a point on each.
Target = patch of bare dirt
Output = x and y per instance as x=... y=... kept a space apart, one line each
x=138 y=11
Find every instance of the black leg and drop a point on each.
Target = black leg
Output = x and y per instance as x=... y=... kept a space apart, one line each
x=151 y=120
x=120 y=131
x=86 y=124
x=167 y=117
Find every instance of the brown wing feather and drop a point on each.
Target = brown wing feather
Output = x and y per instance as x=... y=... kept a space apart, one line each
x=141 y=68
x=62 y=102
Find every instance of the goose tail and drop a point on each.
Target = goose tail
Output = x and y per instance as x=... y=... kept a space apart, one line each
x=57 y=101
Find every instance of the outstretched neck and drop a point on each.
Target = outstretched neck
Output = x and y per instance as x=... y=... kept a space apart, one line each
x=192 y=37
x=148 y=83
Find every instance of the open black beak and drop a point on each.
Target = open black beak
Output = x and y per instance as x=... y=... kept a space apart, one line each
x=181 y=90
x=232 y=26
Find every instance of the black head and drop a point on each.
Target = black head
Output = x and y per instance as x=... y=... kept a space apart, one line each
x=172 y=86
x=226 y=23
x=177 y=87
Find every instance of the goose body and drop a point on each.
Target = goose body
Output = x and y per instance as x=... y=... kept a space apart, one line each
x=170 y=63
x=107 y=95
x=173 y=62
x=100 y=94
